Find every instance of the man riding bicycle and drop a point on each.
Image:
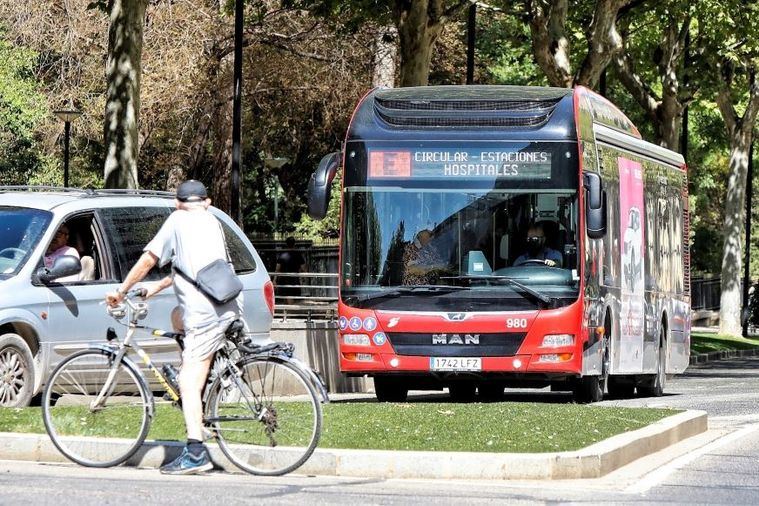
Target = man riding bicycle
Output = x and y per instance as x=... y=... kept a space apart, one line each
x=191 y=238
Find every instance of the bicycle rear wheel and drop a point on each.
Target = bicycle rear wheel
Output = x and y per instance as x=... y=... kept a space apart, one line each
x=268 y=420
x=80 y=430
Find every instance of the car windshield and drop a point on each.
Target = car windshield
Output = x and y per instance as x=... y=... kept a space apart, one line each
x=459 y=242
x=20 y=231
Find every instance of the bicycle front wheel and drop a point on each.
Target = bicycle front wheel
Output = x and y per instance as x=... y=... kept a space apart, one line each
x=88 y=400
x=268 y=419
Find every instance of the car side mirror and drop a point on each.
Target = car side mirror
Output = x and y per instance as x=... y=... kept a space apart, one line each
x=320 y=184
x=66 y=265
x=595 y=205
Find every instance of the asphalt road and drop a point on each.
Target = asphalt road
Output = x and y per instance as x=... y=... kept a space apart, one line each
x=722 y=467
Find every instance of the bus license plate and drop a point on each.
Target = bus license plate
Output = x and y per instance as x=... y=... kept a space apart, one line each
x=455 y=364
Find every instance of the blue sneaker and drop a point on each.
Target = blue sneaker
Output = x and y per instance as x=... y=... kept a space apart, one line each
x=187 y=463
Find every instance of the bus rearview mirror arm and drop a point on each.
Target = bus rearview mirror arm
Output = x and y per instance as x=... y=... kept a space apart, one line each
x=595 y=205
x=320 y=184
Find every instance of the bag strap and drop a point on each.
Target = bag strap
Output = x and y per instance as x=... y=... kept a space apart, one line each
x=185 y=276
x=226 y=251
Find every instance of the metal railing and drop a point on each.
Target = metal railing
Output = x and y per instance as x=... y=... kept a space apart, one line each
x=313 y=299
x=705 y=293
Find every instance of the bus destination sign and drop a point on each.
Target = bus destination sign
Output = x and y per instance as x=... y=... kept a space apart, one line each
x=460 y=164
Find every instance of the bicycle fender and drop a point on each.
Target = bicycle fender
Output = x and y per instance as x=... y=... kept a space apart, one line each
x=316 y=380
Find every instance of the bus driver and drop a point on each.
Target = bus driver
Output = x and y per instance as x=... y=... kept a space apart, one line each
x=537 y=250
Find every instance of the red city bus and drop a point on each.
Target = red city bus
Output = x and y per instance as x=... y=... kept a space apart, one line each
x=499 y=236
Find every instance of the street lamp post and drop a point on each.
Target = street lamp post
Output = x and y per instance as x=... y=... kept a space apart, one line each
x=67 y=116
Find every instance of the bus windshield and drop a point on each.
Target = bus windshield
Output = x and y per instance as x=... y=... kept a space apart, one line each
x=431 y=241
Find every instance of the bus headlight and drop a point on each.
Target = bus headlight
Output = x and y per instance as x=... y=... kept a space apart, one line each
x=558 y=340
x=356 y=339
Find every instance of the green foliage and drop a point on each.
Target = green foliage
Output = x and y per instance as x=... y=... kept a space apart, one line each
x=702 y=342
x=22 y=109
x=503 y=43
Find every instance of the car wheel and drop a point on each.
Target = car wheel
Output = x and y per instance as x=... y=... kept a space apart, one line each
x=16 y=372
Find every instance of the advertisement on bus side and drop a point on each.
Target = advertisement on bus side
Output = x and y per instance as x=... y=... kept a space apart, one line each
x=631 y=227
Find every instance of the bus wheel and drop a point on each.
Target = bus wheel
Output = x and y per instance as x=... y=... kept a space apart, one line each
x=492 y=391
x=588 y=389
x=654 y=386
x=389 y=389
x=620 y=387
x=462 y=392
x=591 y=388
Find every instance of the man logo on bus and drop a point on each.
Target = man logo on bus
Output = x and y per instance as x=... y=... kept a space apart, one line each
x=456 y=339
x=456 y=317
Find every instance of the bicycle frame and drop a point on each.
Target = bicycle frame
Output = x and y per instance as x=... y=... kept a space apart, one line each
x=128 y=344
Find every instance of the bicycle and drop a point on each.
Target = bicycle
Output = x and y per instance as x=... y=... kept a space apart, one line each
x=260 y=403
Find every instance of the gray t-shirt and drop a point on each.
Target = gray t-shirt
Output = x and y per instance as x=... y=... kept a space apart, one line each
x=191 y=240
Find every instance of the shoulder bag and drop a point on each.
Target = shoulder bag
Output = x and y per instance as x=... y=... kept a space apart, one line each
x=217 y=280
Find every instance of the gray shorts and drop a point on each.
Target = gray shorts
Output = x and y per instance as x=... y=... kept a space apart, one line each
x=202 y=342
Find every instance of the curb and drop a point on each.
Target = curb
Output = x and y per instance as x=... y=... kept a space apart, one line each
x=594 y=461
x=703 y=358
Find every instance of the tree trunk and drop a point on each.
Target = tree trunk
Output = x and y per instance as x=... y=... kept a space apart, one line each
x=416 y=52
x=122 y=108
x=732 y=257
x=666 y=113
x=603 y=42
x=419 y=24
x=550 y=44
x=550 y=41
x=740 y=131
x=385 y=54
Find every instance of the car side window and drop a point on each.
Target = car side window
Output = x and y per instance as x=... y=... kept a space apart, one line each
x=81 y=234
x=239 y=253
x=130 y=229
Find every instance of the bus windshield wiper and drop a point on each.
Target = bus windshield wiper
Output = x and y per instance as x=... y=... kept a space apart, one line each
x=521 y=287
x=415 y=289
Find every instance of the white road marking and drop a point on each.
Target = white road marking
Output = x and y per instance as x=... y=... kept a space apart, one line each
x=657 y=476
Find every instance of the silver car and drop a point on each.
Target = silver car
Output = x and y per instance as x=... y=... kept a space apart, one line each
x=46 y=314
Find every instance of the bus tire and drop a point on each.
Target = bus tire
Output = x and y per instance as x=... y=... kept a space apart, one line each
x=591 y=388
x=654 y=386
x=492 y=391
x=462 y=392
x=620 y=387
x=588 y=389
x=389 y=389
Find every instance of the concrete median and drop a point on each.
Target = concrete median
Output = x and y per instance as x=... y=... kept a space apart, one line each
x=590 y=462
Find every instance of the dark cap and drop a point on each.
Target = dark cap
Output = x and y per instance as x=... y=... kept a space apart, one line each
x=191 y=191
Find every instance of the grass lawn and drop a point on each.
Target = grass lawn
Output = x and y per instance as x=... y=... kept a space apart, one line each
x=491 y=427
x=703 y=342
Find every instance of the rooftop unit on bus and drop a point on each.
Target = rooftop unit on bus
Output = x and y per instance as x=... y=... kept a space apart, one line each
x=537 y=216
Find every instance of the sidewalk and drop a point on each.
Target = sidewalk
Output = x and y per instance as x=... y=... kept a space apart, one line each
x=591 y=462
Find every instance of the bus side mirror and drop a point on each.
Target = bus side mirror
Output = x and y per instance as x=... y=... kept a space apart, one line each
x=595 y=205
x=319 y=186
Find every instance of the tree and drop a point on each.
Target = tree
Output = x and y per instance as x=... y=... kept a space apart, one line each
x=122 y=107
x=668 y=26
x=730 y=27
x=418 y=22
x=22 y=109
x=740 y=128
x=551 y=46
